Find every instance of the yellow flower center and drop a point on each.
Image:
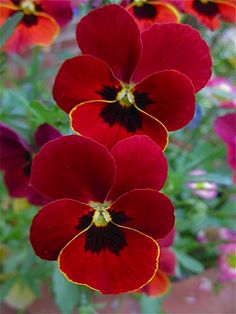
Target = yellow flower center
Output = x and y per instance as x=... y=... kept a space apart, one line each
x=101 y=216
x=28 y=6
x=139 y=3
x=205 y=1
x=125 y=97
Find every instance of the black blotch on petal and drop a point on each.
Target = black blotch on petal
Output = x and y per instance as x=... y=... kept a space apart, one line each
x=145 y=12
x=209 y=9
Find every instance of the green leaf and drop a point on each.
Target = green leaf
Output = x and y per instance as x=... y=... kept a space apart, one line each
x=189 y=262
x=150 y=305
x=8 y=27
x=67 y=295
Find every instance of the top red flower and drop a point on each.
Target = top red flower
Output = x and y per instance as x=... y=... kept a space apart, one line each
x=208 y=12
x=128 y=82
x=40 y=24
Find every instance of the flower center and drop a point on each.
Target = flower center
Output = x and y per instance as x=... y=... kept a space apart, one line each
x=101 y=216
x=28 y=7
x=204 y=1
x=125 y=97
x=139 y=3
x=231 y=260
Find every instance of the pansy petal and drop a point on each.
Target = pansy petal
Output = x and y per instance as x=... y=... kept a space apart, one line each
x=6 y=10
x=73 y=167
x=35 y=198
x=17 y=182
x=45 y=133
x=227 y=10
x=174 y=47
x=148 y=211
x=27 y=36
x=81 y=79
x=167 y=261
x=231 y=155
x=55 y=225
x=60 y=10
x=167 y=240
x=111 y=34
x=173 y=98
x=153 y=12
x=140 y=165
x=108 y=123
x=158 y=286
x=225 y=127
x=15 y=151
x=110 y=273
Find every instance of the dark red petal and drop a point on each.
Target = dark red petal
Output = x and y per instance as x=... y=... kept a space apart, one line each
x=148 y=211
x=111 y=34
x=140 y=164
x=25 y=36
x=73 y=167
x=107 y=272
x=45 y=133
x=174 y=47
x=86 y=119
x=227 y=10
x=158 y=286
x=15 y=151
x=60 y=10
x=17 y=182
x=167 y=261
x=173 y=98
x=167 y=240
x=54 y=226
x=35 y=198
x=231 y=155
x=160 y=13
x=225 y=127
x=81 y=79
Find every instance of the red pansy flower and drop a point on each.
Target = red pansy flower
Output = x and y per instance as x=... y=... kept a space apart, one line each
x=107 y=214
x=40 y=24
x=160 y=284
x=148 y=12
x=128 y=82
x=16 y=157
x=208 y=12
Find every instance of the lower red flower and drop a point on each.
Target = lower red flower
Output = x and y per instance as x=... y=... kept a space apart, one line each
x=148 y=12
x=40 y=24
x=107 y=214
x=208 y=12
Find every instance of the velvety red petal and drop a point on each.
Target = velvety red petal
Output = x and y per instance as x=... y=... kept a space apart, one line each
x=35 y=198
x=167 y=261
x=45 y=133
x=158 y=286
x=165 y=13
x=168 y=240
x=111 y=34
x=148 y=211
x=60 y=10
x=73 y=167
x=25 y=36
x=174 y=47
x=54 y=226
x=17 y=182
x=227 y=10
x=81 y=79
x=15 y=151
x=140 y=164
x=107 y=272
x=86 y=120
x=173 y=98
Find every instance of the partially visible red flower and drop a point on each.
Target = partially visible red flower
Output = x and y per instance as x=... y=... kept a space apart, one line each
x=16 y=157
x=128 y=82
x=40 y=24
x=225 y=128
x=208 y=12
x=148 y=12
x=107 y=212
x=160 y=284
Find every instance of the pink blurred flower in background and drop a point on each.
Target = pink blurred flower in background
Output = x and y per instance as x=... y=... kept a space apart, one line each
x=227 y=261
